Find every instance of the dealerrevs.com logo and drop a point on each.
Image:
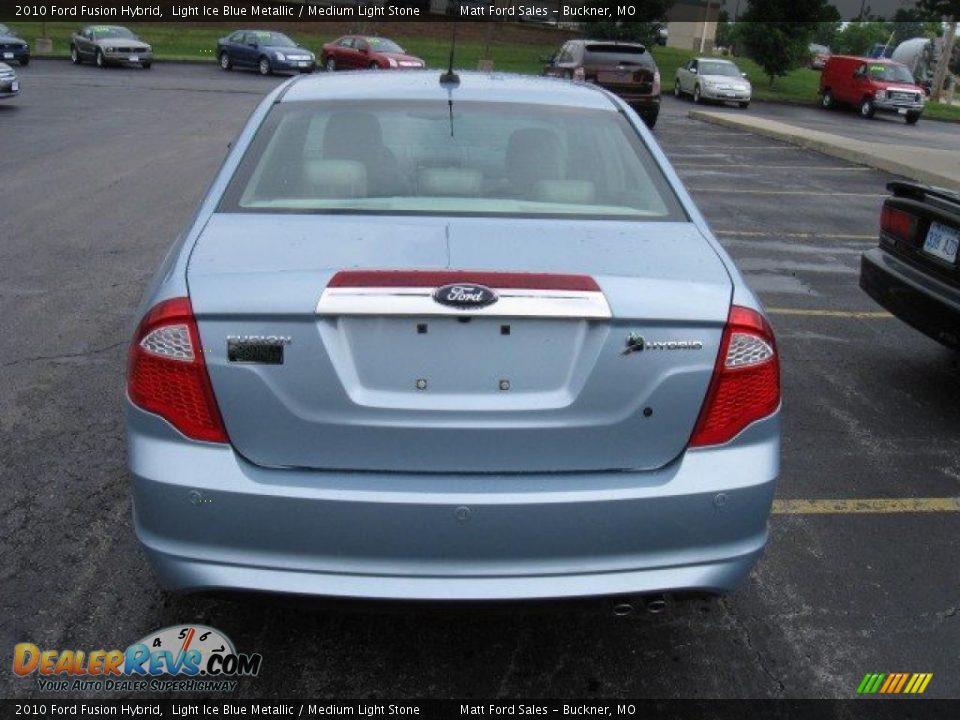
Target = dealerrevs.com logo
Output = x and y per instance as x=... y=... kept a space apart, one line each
x=178 y=658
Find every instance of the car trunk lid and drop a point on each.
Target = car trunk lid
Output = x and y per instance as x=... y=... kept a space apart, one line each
x=596 y=355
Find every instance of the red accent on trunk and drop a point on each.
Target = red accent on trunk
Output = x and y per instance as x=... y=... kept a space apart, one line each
x=434 y=278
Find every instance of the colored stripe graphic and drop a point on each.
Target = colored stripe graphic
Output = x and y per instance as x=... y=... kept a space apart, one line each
x=894 y=683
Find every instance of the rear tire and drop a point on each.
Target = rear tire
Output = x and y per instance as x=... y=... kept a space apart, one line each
x=677 y=92
x=744 y=105
x=866 y=108
x=264 y=66
x=146 y=65
x=650 y=119
x=827 y=101
x=696 y=95
x=101 y=62
x=330 y=65
x=912 y=118
x=225 y=62
x=24 y=61
x=374 y=66
x=74 y=56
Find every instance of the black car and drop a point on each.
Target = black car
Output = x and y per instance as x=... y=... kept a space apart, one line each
x=265 y=50
x=915 y=272
x=13 y=48
x=625 y=69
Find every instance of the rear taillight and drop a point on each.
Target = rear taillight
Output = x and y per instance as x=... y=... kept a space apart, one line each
x=746 y=379
x=166 y=373
x=897 y=223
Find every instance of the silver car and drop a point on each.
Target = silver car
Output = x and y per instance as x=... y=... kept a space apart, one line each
x=9 y=84
x=713 y=79
x=463 y=341
x=109 y=45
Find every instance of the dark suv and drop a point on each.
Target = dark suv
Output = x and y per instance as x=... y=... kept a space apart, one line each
x=627 y=69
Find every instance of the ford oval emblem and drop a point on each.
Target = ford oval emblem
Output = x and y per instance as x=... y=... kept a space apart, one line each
x=465 y=296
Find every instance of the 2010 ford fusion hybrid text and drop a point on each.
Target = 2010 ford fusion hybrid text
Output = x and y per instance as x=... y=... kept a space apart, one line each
x=464 y=340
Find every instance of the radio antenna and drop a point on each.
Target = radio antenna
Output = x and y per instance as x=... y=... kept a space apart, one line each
x=450 y=77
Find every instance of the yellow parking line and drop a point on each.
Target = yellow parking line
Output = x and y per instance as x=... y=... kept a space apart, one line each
x=808 y=193
x=866 y=506
x=797 y=235
x=863 y=315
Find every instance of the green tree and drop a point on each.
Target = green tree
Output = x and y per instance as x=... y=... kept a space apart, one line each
x=858 y=37
x=939 y=9
x=650 y=17
x=828 y=26
x=909 y=23
x=776 y=34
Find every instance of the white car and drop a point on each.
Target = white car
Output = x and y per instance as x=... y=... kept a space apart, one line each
x=9 y=85
x=712 y=79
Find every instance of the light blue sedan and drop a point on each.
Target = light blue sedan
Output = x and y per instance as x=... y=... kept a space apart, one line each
x=467 y=340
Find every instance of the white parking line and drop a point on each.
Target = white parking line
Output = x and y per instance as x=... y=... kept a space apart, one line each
x=808 y=193
x=796 y=235
x=827 y=168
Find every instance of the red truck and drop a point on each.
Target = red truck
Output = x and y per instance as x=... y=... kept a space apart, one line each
x=872 y=85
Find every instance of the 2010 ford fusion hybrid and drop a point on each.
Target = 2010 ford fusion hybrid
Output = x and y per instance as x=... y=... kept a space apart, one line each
x=461 y=340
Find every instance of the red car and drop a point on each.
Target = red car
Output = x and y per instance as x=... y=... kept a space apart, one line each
x=359 y=52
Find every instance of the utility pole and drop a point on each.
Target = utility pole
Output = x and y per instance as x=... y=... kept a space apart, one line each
x=944 y=63
x=703 y=32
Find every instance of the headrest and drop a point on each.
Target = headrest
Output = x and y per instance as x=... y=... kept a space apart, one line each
x=337 y=178
x=533 y=154
x=569 y=192
x=348 y=131
x=449 y=182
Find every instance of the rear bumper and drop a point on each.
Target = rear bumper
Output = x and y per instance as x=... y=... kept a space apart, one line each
x=924 y=303
x=123 y=58
x=209 y=520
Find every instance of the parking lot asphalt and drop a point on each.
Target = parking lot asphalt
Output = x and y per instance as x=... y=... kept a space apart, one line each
x=101 y=170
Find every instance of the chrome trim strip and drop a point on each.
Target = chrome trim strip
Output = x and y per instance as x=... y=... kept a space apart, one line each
x=418 y=301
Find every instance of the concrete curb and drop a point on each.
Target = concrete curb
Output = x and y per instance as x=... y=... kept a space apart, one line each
x=928 y=165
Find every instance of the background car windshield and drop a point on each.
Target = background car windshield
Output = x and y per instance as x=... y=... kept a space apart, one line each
x=274 y=39
x=382 y=45
x=611 y=54
x=719 y=68
x=891 y=73
x=112 y=32
x=485 y=159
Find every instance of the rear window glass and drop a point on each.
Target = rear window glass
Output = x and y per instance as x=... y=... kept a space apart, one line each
x=596 y=54
x=477 y=158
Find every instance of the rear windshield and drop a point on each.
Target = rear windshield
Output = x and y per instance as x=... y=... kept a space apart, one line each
x=477 y=158
x=611 y=54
